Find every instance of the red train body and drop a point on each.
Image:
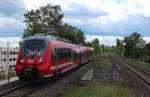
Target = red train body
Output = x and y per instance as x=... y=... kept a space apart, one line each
x=44 y=56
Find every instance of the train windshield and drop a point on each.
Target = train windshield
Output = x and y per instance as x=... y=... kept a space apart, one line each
x=35 y=47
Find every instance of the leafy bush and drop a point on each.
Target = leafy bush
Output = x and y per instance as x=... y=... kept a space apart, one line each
x=12 y=73
x=2 y=74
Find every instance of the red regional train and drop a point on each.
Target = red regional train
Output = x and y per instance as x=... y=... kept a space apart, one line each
x=42 y=56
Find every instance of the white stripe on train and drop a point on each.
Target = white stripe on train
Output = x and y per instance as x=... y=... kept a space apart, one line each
x=60 y=65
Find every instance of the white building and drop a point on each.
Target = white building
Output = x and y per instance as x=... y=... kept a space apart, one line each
x=4 y=55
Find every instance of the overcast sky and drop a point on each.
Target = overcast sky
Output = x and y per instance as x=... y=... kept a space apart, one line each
x=95 y=17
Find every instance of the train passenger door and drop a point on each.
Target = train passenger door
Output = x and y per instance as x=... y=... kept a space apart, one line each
x=57 y=57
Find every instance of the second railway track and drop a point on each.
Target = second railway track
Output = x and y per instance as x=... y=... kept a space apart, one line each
x=140 y=68
x=136 y=76
x=141 y=73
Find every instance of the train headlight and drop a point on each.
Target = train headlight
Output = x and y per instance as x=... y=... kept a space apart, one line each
x=40 y=59
x=22 y=61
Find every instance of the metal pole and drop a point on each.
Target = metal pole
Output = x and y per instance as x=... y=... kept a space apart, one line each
x=7 y=58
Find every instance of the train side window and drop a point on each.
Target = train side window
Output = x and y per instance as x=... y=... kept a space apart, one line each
x=59 y=53
x=75 y=55
x=66 y=53
x=69 y=53
x=54 y=57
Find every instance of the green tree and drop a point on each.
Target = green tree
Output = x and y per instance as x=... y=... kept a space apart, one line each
x=44 y=20
x=89 y=44
x=72 y=33
x=95 y=44
x=147 y=49
x=146 y=53
x=119 y=46
x=131 y=46
x=48 y=20
x=102 y=48
x=134 y=45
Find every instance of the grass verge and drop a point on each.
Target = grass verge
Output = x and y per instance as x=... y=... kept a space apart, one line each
x=103 y=63
x=98 y=89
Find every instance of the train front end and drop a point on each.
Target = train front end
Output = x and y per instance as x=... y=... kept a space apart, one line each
x=33 y=58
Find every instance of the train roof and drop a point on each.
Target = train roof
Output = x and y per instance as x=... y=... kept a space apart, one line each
x=40 y=36
x=52 y=37
x=47 y=37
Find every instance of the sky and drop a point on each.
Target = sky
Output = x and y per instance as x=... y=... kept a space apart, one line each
x=107 y=19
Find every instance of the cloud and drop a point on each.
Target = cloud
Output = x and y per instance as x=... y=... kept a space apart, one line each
x=13 y=41
x=11 y=17
x=12 y=7
x=109 y=40
x=106 y=40
x=95 y=17
x=123 y=17
x=81 y=11
x=11 y=27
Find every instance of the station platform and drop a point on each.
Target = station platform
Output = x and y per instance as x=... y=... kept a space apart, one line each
x=5 y=81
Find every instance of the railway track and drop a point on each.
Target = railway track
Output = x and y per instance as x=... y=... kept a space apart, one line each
x=116 y=70
x=22 y=91
x=10 y=86
x=141 y=68
x=139 y=72
x=139 y=77
x=11 y=89
x=25 y=90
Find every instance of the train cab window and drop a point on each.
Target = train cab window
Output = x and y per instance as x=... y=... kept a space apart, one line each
x=33 y=47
